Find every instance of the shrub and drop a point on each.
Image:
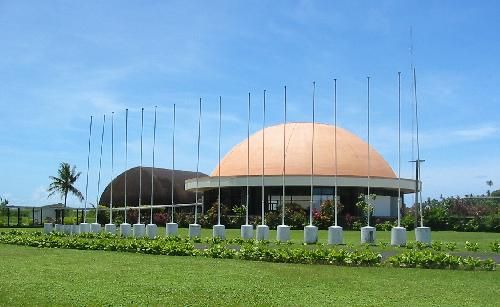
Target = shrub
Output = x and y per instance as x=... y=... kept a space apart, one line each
x=495 y=246
x=451 y=246
x=470 y=246
x=385 y=226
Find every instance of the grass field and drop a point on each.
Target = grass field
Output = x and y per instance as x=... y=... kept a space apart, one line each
x=32 y=276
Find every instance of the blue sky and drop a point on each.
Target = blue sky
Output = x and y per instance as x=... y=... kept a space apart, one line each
x=62 y=61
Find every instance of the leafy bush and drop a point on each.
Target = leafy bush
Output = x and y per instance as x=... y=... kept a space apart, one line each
x=495 y=246
x=451 y=246
x=385 y=226
x=470 y=246
x=438 y=260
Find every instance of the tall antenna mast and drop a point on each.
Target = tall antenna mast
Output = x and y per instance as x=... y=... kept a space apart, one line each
x=112 y=165
x=140 y=169
x=88 y=168
x=263 y=152
x=220 y=128
x=312 y=158
x=173 y=167
x=153 y=171
x=248 y=162
x=100 y=167
x=335 y=199
x=284 y=163
x=197 y=168
x=126 y=161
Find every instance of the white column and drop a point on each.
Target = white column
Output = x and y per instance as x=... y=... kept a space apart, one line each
x=171 y=229
x=423 y=234
x=262 y=232
x=368 y=234
x=335 y=235
x=219 y=231
x=151 y=231
x=283 y=233
x=194 y=231
x=139 y=230
x=310 y=234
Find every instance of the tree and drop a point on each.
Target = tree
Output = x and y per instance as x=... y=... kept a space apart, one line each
x=64 y=183
x=3 y=205
x=490 y=184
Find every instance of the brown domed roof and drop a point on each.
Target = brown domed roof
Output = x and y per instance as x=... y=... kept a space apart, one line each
x=352 y=153
x=162 y=187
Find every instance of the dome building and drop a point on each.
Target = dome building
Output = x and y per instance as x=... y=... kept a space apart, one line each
x=351 y=172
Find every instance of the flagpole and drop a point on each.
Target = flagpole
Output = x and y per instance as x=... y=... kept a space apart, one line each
x=335 y=149
x=263 y=156
x=312 y=158
x=153 y=171
x=248 y=163
x=140 y=169
x=88 y=168
x=284 y=162
x=126 y=161
x=173 y=167
x=100 y=167
x=368 y=150
x=112 y=166
x=399 y=149
x=197 y=167
x=220 y=128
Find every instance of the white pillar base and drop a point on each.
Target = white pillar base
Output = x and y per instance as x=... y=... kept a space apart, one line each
x=310 y=234
x=335 y=235
x=59 y=228
x=423 y=234
x=262 y=233
x=151 y=231
x=171 y=229
x=67 y=229
x=110 y=228
x=398 y=236
x=75 y=229
x=368 y=234
x=194 y=231
x=48 y=227
x=219 y=231
x=84 y=227
x=283 y=233
x=139 y=230
x=95 y=228
x=125 y=230
x=246 y=232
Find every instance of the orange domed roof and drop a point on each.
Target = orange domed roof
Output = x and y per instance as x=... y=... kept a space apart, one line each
x=352 y=153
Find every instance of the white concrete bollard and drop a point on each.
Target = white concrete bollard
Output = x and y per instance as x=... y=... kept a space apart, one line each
x=194 y=231
x=262 y=233
x=59 y=228
x=110 y=228
x=84 y=227
x=219 y=231
x=398 y=236
x=171 y=229
x=139 y=230
x=335 y=235
x=423 y=234
x=283 y=233
x=75 y=229
x=246 y=232
x=95 y=227
x=368 y=234
x=67 y=229
x=48 y=227
x=151 y=231
x=125 y=230
x=310 y=234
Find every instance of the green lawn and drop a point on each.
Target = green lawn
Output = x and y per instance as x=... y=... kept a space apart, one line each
x=32 y=276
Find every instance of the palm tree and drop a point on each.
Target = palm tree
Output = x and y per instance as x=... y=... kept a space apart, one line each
x=64 y=183
x=490 y=184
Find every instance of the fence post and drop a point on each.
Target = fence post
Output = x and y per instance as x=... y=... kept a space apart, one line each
x=8 y=217
x=18 y=216
x=33 y=217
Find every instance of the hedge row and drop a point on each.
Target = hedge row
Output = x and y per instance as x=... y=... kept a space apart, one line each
x=175 y=246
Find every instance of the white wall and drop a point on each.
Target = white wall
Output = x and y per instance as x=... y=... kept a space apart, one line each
x=382 y=206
